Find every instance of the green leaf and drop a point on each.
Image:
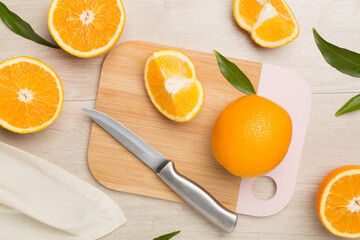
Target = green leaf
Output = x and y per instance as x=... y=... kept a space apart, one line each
x=20 y=27
x=167 y=236
x=234 y=75
x=344 y=60
x=352 y=105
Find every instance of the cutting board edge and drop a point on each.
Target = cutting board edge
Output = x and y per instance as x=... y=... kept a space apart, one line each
x=166 y=46
x=111 y=187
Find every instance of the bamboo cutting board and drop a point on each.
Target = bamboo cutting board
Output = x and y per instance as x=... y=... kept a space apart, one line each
x=122 y=95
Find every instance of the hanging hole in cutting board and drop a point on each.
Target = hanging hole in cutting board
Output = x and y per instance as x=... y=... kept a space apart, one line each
x=264 y=188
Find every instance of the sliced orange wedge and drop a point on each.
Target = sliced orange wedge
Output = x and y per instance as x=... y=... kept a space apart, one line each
x=86 y=28
x=271 y=23
x=31 y=95
x=171 y=83
x=338 y=202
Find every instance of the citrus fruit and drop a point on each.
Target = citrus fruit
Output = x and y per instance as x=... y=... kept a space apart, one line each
x=86 y=28
x=31 y=95
x=270 y=22
x=171 y=83
x=251 y=136
x=338 y=201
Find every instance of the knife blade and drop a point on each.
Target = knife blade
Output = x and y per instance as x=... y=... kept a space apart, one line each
x=195 y=195
x=133 y=143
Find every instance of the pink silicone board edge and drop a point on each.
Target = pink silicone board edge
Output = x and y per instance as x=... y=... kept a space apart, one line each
x=288 y=89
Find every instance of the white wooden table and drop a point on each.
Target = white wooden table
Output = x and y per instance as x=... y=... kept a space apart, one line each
x=204 y=25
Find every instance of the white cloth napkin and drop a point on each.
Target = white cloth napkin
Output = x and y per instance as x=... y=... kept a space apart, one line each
x=40 y=201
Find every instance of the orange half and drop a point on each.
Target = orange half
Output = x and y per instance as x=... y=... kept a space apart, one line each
x=86 y=28
x=338 y=201
x=31 y=95
x=171 y=83
x=271 y=23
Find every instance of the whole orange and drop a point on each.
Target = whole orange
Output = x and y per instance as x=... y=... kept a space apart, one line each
x=251 y=136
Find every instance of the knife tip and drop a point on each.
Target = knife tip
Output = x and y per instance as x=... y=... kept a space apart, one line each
x=86 y=110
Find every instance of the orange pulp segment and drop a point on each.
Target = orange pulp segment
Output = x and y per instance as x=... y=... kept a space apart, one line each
x=86 y=28
x=171 y=83
x=271 y=23
x=338 y=201
x=31 y=95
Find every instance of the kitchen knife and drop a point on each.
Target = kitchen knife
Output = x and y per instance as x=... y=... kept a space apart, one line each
x=188 y=190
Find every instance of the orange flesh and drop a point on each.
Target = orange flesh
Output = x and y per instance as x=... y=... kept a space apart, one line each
x=173 y=67
x=274 y=29
x=28 y=112
x=270 y=26
x=85 y=25
x=170 y=67
x=337 y=213
x=250 y=10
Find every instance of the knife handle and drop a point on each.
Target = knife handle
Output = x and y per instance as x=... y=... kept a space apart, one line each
x=198 y=198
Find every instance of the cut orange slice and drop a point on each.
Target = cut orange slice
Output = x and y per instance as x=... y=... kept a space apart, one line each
x=338 y=201
x=270 y=22
x=171 y=83
x=31 y=95
x=86 y=28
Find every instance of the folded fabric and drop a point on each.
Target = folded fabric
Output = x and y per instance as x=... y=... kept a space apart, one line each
x=40 y=201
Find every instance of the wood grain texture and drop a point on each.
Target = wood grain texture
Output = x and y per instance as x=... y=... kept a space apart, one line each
x=204 y=25
x=122 y=95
